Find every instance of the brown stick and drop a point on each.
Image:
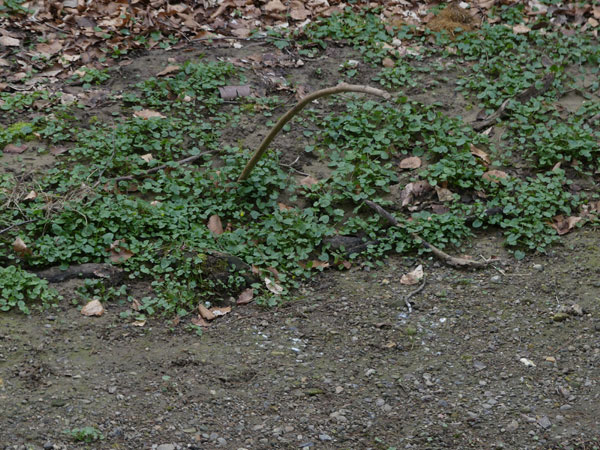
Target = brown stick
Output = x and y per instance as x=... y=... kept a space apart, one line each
x=187 y=160
x=450 y=260
x=342 y=87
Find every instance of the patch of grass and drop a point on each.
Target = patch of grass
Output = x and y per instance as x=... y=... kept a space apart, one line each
x=85 y=434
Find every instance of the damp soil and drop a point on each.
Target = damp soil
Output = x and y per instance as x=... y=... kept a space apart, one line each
x=505 y=357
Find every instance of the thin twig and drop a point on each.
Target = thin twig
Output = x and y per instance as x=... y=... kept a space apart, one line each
x=412 y=294
x=450 y=260
x=187 y=160
x=15 y=225
x=342 y=87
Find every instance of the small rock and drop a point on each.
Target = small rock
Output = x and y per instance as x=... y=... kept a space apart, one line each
x=512 y=426
x=576 y=310
x=538 y=267
x=165 y=447
x=559 y=418
x=213 y=436
x=369 y=372
x=560 y=317
x=48 y=445
x=325 y=437
x=565 y=407
x=544 y=422
x=478 y=365
x=222 y=441
x=496 y=279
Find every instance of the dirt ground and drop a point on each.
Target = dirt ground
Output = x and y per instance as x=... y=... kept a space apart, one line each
x=505 y=357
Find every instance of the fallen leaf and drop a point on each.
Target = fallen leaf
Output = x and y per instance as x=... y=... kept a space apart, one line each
x=412 y=162
x=119 y=254
x=563 y=225
x=168 y=70
x=347 y=265
x=298 y=11
x=215 y=225
x=284 y=207
x=220 y=311
x=147 y=157
x=8 y=41
x=494 y=175
x=138 y=323
x=316 y=264
x=413 y=277
x=444 y=194
x=273 y=287
x=275 y=6
x=231 y=92
x=388 y=62
x=200 y=322
x=20 y=247
x=308 y=181
x=31 y=196
x=413 y=191
x=480 y=154
x=15 y=149
x=58 y=150
x=245 y=297
x=148 y=114
x=521 y=29
x=205 y=312
x=93 y=308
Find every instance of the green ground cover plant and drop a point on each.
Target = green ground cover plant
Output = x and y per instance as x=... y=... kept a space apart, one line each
x=122 y=189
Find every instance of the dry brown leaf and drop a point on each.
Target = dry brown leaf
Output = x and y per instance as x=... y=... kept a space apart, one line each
x=273 y=287
x=275 y=6
x=347 y=265
x=284 y=207
x=308 y=181
x=592 y=22
x=413 y=191
x=388 y=62
x=93 y=308
x=200 y=322
x=205 y=312
x=245 y=297
x=563 y=225
x=219 y=311
x=412 y=162
x=494 y=175
x=444 y=194
x=119 y=254
x=15 y=149
x=480 y=154
x=148 y=114
x=31 y=196
x=521 y=29
x=413 y=277
x=147 y=157
x=8 y=41
x=298 y=11
x=138 y=323
x=168 y=70
x=316 y=264
x=20 y=247
x=215 y=225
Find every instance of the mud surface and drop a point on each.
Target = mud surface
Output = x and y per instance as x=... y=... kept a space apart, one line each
x=505 y=357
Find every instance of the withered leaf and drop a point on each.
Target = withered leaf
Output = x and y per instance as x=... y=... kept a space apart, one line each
x=205 y=312
x=93 y=308
x=215 y=225
x=15 y=149
x=494 y=175
x=412 y=162
x=148 y=114
x=480 y=154
x=168 y=70
x=245 y=297
x=231 y=92
x=563 y=225
x=413 y=277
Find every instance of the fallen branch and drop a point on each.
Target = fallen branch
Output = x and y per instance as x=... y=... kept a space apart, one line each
x=522 y=97
x=88 y=270
x=342 y=87
x=187 y=160
x=450 y=260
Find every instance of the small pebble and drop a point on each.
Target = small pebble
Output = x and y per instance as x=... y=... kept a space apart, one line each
x=496 y=279
x=325 y=437
x=538 y=267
